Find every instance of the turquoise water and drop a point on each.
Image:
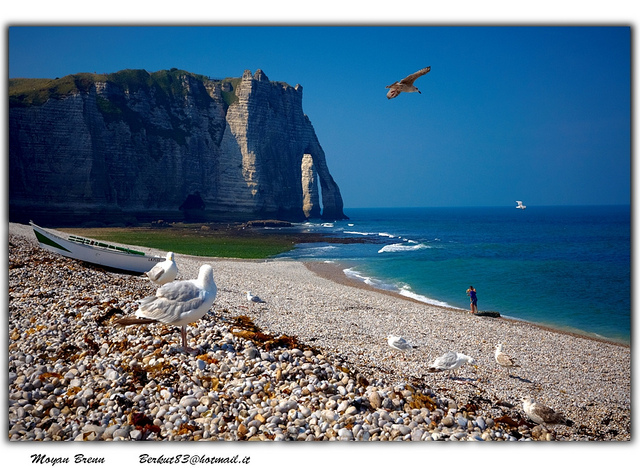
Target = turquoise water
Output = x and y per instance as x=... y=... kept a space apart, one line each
x=564 y=267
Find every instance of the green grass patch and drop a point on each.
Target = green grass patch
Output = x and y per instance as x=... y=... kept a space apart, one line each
x=230 y=97
x=206 y=243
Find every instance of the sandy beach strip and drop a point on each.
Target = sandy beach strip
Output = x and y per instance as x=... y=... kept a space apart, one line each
x=589 y=380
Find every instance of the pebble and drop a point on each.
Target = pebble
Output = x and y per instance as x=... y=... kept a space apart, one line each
x=75 y=376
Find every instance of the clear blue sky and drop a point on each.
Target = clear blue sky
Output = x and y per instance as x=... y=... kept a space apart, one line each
x=539 y=114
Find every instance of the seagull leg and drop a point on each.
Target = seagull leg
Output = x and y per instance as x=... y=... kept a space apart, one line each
x=184 y=341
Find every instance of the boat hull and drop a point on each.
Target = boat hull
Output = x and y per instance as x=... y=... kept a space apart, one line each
x=96 y=252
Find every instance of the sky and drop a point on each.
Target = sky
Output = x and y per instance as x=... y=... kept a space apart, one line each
x=533 y=113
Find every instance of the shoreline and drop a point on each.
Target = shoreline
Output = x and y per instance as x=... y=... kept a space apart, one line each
x=334 y=271
x=322 y=267
x=341 y=327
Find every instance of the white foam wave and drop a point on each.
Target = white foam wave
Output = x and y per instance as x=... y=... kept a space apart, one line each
x=323 y=248
x=403 y=290
x=376 y=283
x=309 y=251
x=386 y=234
x=419 y=297
x=403 y=247
x=357 y=233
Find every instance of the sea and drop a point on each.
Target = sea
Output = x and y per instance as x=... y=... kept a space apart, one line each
x=564 y=267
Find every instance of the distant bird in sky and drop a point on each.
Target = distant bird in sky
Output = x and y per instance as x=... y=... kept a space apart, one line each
x=164 y=272
x=541 y=414
x=399 y=343
x=406 y=85
x=254 y=299
x=504 y=360
x=177 y=303
x=450 y=362
x=520 y=206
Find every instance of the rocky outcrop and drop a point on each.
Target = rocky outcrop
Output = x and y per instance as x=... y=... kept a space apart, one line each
x=137 y=145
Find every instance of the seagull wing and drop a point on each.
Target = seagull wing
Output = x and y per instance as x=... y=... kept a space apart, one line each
x=399 y=343
x=446 y=361
x=157 y=271
x=504 y=360
x=548 y=415
x=173 y=302
x=414 y=76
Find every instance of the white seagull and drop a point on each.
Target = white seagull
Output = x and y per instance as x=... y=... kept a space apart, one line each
x=520 y=206
x=541 y=414
x=254 y=299
x=406 y=85
x=450 y=362
x=178 y=303
x=503 y=359
x=399 y=343
x=164 y=272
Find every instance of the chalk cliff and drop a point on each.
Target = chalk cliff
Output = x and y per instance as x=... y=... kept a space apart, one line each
x=134 y=144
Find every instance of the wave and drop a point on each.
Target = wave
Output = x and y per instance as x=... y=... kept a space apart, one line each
x=376 y=283
x=380 y=234
x=308 y=251
x=403 y=290
x=357 y=233
x=403 y=247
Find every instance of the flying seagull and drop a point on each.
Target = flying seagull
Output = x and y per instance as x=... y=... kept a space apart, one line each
x=254 y=299
x=450 y=362
x=399 y=343
x=406 y=85
x=177 y=303
x=503 y=359
x=541 y=414
x=164 y=272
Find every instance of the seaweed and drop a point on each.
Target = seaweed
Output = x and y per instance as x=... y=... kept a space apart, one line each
x=243 y=327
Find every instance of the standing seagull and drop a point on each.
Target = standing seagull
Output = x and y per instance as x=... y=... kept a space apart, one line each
x=541 y=414
x=254 y=299
x=450 y=362
x=503 y=359
x=406 y=85
x=178 y=303
x=164 y=272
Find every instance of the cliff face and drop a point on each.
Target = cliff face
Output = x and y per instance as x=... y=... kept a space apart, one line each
x=134 y=144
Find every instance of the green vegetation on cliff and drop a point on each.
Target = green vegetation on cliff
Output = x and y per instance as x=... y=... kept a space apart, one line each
x=24 y=92
x=230 y=97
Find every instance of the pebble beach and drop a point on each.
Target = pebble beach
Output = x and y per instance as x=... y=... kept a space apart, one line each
x=311 y=363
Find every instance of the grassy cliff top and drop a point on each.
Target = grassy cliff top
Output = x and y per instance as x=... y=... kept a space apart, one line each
x=25 y=92
x=36 y=91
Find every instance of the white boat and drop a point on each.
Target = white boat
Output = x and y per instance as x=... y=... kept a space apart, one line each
x=520 y=206
x=96 y=252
